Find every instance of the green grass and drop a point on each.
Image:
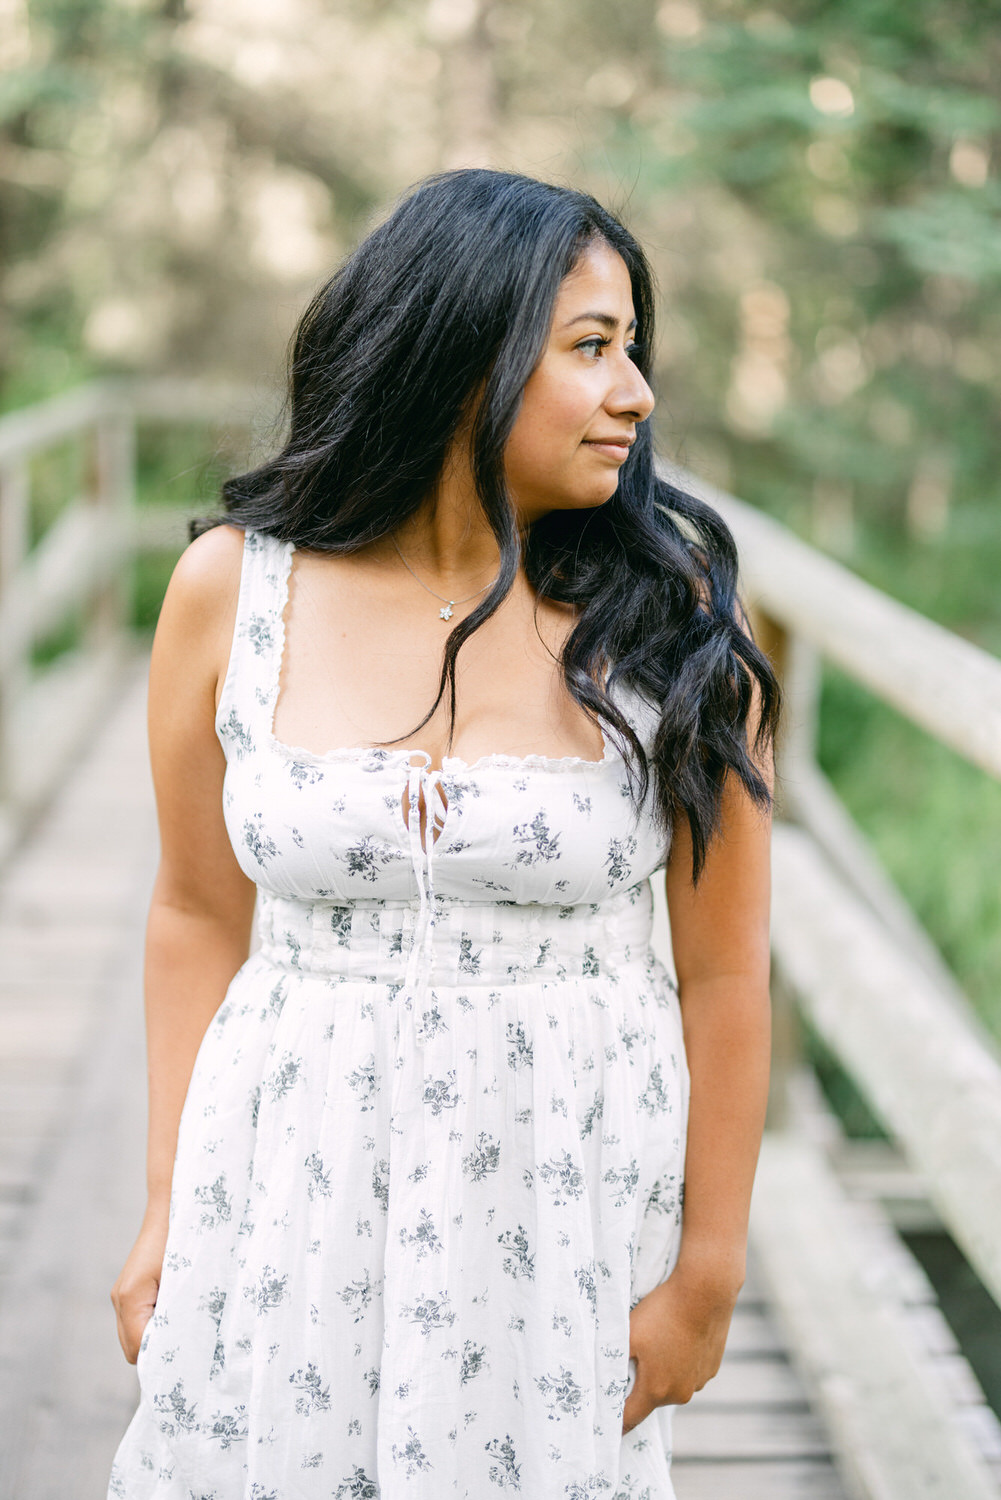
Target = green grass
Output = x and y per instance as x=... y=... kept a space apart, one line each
x=952 y=578
x=65 y=637
x=58 y=476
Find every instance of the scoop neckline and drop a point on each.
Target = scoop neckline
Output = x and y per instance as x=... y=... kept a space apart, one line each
x=498 y=759
x=449 y=762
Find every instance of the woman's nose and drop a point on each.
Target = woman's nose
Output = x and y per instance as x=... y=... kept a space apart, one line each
x=631 y=394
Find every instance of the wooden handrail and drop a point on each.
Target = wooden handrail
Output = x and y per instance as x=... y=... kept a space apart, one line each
x=23 y=433
x=80 y=563
x=864 y=970
x=929 y=1075
x=945 y=684
x=165 y=399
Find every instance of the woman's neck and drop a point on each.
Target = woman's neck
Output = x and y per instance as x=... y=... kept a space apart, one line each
x=449 y=541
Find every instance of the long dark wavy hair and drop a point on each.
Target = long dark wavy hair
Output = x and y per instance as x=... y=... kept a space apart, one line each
x=453 y=295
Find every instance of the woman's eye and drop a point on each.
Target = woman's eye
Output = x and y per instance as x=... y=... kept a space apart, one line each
x=592 y=347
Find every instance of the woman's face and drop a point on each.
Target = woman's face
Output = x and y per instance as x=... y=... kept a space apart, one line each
x=583 y=400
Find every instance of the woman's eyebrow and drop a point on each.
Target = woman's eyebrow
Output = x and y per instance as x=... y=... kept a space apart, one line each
x=605 y=319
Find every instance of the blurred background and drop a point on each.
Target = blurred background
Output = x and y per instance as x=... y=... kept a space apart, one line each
x=817 y=184
x=816 y=181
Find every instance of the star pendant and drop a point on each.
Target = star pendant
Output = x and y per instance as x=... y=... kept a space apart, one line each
x=446 y=613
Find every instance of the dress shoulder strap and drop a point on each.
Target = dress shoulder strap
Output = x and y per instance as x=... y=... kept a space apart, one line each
x=643 y=715
x=250 y=691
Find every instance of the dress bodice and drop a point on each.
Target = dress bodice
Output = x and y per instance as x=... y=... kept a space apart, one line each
x=522 y=829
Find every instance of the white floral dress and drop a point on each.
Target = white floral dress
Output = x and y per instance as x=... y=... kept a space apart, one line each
x=432 y=1150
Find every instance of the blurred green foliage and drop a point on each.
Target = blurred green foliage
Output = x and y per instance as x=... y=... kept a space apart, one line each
x=969 y=1308
x=845 y=372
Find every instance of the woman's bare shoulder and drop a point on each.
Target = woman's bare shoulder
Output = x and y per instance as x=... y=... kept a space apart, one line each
x=199 y=608
x=208 y=569
x=205 y=583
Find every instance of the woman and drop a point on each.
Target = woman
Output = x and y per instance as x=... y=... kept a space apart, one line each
x=425 y=1215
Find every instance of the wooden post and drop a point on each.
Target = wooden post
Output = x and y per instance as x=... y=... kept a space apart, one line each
x=15 y=498
x=113 y=494
x=797 y=667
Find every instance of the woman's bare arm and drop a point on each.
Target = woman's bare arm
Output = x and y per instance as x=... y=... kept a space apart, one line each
x=200 y=916
x=720 y=938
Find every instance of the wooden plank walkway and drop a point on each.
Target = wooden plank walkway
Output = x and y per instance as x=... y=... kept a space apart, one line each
x=72 y=1120
x=72 y=1080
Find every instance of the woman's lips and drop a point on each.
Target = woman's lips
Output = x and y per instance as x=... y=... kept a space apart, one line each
x=618 y=451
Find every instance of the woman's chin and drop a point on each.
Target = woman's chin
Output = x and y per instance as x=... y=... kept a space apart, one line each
x=589 y=497
x=594 y=500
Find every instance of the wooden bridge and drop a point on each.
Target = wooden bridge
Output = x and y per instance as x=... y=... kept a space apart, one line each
x=842 y=1379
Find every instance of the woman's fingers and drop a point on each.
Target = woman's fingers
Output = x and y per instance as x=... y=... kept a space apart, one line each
x=132 y=1322
x=134 y=1304
x=127 y=1339
x=134 y=1294
x=642 y=1400
x=677 y=1334
x=638 y=1403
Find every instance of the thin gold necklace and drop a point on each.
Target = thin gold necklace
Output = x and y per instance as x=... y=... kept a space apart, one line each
x=446 y=613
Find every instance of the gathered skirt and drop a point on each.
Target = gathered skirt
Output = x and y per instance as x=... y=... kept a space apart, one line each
x=407 y=1226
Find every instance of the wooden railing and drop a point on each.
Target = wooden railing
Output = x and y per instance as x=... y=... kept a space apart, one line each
x=848 y=952
x=80 y=566
x=852 y=956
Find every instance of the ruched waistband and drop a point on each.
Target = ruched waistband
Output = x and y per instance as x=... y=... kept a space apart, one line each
x=475 y=943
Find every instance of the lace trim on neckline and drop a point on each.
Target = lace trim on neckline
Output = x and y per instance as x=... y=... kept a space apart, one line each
x=449 y=762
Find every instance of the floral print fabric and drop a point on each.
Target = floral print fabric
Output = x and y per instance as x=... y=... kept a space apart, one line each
x=432 y=1149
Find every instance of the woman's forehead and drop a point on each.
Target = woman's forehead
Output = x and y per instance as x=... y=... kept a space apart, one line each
x=599 y=284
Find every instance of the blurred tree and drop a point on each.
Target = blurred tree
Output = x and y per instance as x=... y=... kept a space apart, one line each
x=816 y=180
x=822 y=176
x=175 y=177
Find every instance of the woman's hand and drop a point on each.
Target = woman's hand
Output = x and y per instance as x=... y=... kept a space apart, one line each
x=677 y=1334
x=134 y=1293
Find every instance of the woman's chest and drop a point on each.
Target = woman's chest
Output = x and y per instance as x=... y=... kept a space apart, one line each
x=352 y=674
x=528 y=830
